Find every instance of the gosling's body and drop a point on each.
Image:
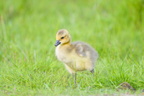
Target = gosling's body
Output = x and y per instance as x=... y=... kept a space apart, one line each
x=77 y=56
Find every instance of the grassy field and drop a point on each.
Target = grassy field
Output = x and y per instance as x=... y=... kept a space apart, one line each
x=28 y=66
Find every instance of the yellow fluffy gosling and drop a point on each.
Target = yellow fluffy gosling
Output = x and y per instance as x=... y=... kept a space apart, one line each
x=76 y=56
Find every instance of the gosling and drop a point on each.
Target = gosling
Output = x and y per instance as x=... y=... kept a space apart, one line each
x=76 y=56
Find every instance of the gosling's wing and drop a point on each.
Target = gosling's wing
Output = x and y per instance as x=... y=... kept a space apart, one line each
x=80 y=48
x=84 y=50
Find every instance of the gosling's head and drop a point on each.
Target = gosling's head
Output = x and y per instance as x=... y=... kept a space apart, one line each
x=62 y=37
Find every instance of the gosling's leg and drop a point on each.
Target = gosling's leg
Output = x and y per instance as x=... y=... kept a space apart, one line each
x=74 y=76
x=92 y=71
x=71 y=71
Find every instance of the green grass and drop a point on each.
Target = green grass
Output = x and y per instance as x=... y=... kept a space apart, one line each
x=28 y=65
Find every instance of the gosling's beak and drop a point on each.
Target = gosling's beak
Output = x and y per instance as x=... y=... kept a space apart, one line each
x=57 y=43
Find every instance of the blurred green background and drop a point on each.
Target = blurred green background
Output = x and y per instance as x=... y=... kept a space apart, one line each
x=115 y=28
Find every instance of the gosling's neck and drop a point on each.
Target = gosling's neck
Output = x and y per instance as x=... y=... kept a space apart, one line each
x=66 y=45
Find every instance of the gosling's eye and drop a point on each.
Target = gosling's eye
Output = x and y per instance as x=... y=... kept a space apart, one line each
x=62 y=37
